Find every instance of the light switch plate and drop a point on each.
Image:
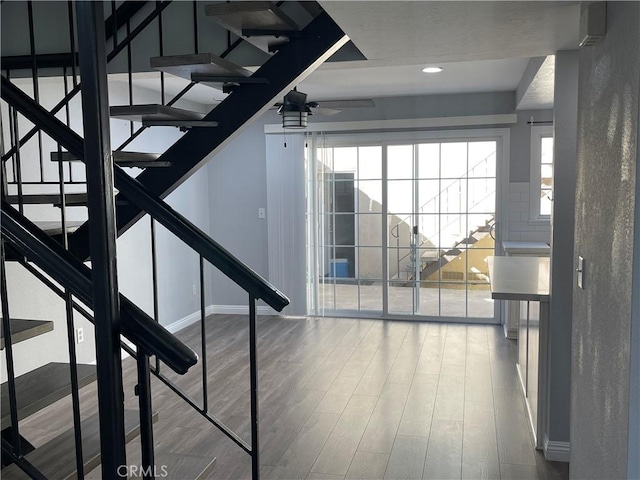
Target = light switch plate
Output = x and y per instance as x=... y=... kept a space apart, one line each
x=580 y=271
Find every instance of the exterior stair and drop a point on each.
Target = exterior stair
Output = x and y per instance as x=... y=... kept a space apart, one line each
x=450 y=255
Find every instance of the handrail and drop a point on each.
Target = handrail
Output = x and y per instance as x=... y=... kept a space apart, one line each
x=134 y=191
x=67 y=270
x=466 y=175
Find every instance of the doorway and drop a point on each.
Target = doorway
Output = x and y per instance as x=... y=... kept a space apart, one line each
x=402 y=229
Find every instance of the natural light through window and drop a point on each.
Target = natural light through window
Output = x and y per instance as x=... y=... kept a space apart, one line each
x=541 y=199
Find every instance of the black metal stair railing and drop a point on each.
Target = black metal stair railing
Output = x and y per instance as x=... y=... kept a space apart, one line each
x=137 y=194
x=321 y=38
x=293 y=62
x=67 y=270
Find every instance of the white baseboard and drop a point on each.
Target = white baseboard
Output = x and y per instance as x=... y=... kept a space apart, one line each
x=192 y=318
x=241 y=310
x=556 y=451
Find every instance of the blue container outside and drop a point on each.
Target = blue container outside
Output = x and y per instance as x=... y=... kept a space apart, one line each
x=339 y=267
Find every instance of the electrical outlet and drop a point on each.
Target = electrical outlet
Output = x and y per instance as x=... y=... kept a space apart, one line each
x=79 y=335
x=262 y=213
x=194 y=289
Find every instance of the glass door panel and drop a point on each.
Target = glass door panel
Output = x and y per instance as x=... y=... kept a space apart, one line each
x=411 y=240
x=436 y=253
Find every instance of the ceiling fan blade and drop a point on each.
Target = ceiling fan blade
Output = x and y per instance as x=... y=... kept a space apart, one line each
x=325 y=111
x=340 y=104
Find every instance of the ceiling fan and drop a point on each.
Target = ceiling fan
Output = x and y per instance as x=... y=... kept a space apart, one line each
x=295 y=109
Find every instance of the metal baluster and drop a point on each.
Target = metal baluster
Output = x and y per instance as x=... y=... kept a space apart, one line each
x=73 y=362
x=143 y=391
x=154 y=277
x=34 y=74
x=18 y=172
x=72 y=44
x=203 y=333
x=130 y=73
x=253 y=373
x=161 y=47
x=196 y=48
x=67 y=116
x=8 y=349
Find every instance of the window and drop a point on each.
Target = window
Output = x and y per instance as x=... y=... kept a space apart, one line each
x=541 y=173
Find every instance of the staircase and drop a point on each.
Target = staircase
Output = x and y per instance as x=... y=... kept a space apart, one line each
x=292 y=39
x=436 y=270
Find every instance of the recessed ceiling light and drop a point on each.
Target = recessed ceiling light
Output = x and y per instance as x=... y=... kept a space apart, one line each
x=432 y=69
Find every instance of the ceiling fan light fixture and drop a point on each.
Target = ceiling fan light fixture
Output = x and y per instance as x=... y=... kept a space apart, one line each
x=432 y=69
x=294 y=115
x=294 y=119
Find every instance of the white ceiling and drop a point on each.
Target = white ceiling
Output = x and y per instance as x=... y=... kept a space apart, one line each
x=484 y=46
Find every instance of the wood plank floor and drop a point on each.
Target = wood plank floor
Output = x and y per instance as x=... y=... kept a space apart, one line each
x=344 y=399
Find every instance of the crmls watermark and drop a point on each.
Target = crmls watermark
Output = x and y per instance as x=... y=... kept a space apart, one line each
x=125 y=471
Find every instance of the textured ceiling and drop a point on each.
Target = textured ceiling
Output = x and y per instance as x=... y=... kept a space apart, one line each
x=483 y=46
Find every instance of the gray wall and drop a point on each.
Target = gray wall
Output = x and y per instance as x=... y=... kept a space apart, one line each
x=605 y=199
x=563 y=216
x=238 y=186
x=634 y=377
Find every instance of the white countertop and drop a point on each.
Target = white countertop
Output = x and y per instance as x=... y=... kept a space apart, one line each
x=519 y=278
x=526 y=247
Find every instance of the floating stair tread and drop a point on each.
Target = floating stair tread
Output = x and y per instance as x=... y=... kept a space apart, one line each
x=185 y=66
x=238 y=17
x=41 y=387
x=22 y=330
x=48 y=198
x=140 y=113
x=124 y=159
x=56 y=459
x=55 y=228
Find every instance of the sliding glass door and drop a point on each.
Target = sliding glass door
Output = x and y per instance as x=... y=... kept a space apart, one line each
x=404 y=228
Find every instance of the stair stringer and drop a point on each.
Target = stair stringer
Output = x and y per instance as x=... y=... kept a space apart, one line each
x=293 y=63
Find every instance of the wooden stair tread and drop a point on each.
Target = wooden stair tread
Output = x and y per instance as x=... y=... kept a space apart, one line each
x=188 y=66
x=41 y=387
x=238 y=17
x=56 y=459
x=22 y=330
x=140 y=113
x=124 y=159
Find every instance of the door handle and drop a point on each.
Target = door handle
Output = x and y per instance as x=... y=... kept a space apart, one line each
x=492 y=230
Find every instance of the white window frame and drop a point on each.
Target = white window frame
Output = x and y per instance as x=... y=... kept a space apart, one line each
x=537 y=134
